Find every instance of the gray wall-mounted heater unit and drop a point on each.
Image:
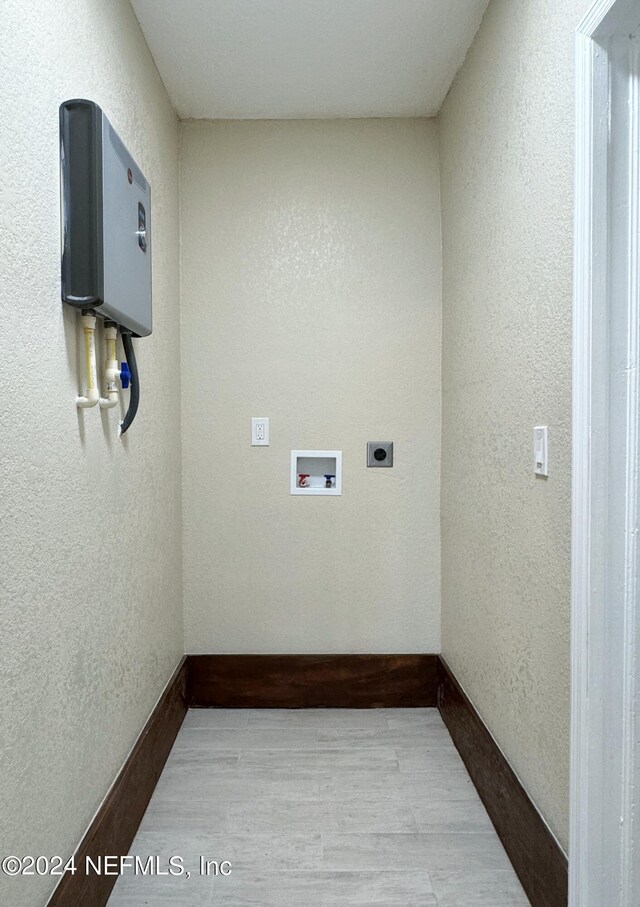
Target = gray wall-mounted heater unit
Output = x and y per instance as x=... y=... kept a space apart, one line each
x=106 y=221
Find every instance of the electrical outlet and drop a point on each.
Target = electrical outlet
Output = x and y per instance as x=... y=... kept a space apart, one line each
x=260 y=432
x=380 y=453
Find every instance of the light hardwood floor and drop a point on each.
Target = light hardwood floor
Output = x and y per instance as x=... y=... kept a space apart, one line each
x=320 y=808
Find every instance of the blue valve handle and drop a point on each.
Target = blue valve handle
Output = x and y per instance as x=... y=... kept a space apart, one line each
x=125 y=375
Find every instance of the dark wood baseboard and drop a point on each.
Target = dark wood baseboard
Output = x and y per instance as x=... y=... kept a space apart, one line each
x=312 y=681
x=234 y=681
x=116 y=823
x=320 y=681
x=535 y=854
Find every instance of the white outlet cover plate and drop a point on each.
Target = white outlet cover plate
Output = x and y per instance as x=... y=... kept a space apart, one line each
x=260 y=431
x=541 y=450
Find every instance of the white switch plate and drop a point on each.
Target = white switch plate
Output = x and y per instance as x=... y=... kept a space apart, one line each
x=260 y=432
x=540 y=451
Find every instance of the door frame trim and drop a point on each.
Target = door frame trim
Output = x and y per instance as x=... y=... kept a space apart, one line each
x=606 y=447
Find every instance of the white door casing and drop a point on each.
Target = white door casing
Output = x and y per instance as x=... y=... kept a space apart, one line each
x=604 y=848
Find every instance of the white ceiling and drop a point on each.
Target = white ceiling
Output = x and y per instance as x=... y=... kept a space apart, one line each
x=271 y=59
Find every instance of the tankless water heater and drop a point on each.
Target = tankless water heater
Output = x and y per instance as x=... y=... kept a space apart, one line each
x=106 y=221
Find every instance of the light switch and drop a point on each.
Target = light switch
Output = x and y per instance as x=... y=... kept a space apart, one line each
x=540 y=451
x=260 y=432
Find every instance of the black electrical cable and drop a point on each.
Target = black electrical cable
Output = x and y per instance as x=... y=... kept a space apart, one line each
x=134 y=397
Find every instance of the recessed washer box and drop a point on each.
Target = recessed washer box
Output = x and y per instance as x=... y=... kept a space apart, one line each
x=106 y=220
x=316 y=472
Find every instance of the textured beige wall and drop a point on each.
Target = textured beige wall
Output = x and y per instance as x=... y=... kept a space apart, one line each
x=311 y=293
x=90 y=613
x=507 y=171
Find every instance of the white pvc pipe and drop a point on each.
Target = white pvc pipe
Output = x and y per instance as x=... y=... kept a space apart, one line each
x=111 y=369
x=93 y=393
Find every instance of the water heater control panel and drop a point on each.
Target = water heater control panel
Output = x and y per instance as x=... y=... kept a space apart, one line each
x=106 y=221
